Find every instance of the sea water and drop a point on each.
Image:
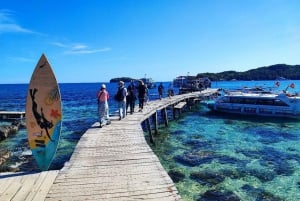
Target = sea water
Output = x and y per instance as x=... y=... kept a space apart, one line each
x=231 y=157
x=212 y=156
x=209 y=156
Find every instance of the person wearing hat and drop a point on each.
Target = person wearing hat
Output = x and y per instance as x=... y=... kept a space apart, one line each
x=121 y=98
x=103 y=111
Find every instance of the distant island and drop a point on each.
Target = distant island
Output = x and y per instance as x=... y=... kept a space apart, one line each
x=273 y=72
x=124 y=79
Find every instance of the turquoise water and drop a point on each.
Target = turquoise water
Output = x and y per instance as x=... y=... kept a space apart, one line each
x=223 y=157
x=209 y=156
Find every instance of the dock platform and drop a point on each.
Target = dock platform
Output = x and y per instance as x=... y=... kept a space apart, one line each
x=111 y=163
x=11 y=115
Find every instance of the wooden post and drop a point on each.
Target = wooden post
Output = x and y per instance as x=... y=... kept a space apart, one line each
x=154 y=118
x=190 y=103
x=174 y=111
x=165 y=116
x=149 y=130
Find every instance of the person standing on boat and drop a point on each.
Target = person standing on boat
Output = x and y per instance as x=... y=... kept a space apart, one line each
x=131 y=97
x=160 y=90
x=121 y=98
x=141 y=95
x=103 y=110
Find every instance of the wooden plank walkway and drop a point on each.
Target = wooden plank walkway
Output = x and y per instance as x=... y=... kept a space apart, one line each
x=26 y=186
x=110 y=163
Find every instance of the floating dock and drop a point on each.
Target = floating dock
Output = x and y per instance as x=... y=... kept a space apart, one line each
x=11 y=115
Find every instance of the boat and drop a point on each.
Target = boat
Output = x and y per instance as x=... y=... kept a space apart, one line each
x=260 y=104
x=149 y=82
x=191 y=83
x=255 y=89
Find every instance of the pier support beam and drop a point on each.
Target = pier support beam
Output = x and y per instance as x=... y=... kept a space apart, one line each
x=155 y=121
x=164 y=114
x=149 y=130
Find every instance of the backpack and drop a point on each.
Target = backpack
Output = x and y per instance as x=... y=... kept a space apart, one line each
x=119 y=96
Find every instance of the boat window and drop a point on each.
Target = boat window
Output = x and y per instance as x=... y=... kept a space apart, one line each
x=264 y=102
x=279 y=103
x=224 y=100
x=236 y=100
x=251 y=101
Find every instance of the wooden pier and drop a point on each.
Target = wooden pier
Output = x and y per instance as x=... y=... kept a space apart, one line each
x=110 y=163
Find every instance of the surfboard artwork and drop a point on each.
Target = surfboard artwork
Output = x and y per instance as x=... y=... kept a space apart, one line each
x=43 y=114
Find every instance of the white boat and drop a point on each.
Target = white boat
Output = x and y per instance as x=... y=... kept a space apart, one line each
x=261 y=104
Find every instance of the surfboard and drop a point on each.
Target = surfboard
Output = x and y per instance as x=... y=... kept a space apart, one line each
x=43 y=114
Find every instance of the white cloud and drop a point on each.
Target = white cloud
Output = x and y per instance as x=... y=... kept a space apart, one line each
x=21 y=59
x=5 y=16
x=58 y=44
x=8 y=25
x=87 y=51
x=79 y=48
x=6 y=28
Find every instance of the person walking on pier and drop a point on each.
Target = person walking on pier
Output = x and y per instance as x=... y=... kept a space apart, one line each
x=160 y=91
x=170 y=90
x=121 y=98
x=103 y=110
x=131 y=97
x=141 y=95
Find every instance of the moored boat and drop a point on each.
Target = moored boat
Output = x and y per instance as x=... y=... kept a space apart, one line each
x=260 y=104
x=191 y=83
x=149 y=82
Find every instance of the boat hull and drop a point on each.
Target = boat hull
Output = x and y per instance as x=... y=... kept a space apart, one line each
x=258 y=104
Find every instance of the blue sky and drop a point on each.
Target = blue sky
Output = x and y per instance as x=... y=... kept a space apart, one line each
x=96 y=40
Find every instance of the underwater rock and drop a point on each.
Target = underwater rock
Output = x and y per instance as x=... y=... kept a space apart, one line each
x=176 y=176
x=213 y=195
x=233 y=174
x=3 y=132
x=6 y=131
x=4 y=155
x=260 y=194
x=222 y=159
x=277 y=162
x=262 y=175
x=208 y=178
x=192 y=159
x=198 y=143
x=177 y=132
x=5 y=168
x=272 y=136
